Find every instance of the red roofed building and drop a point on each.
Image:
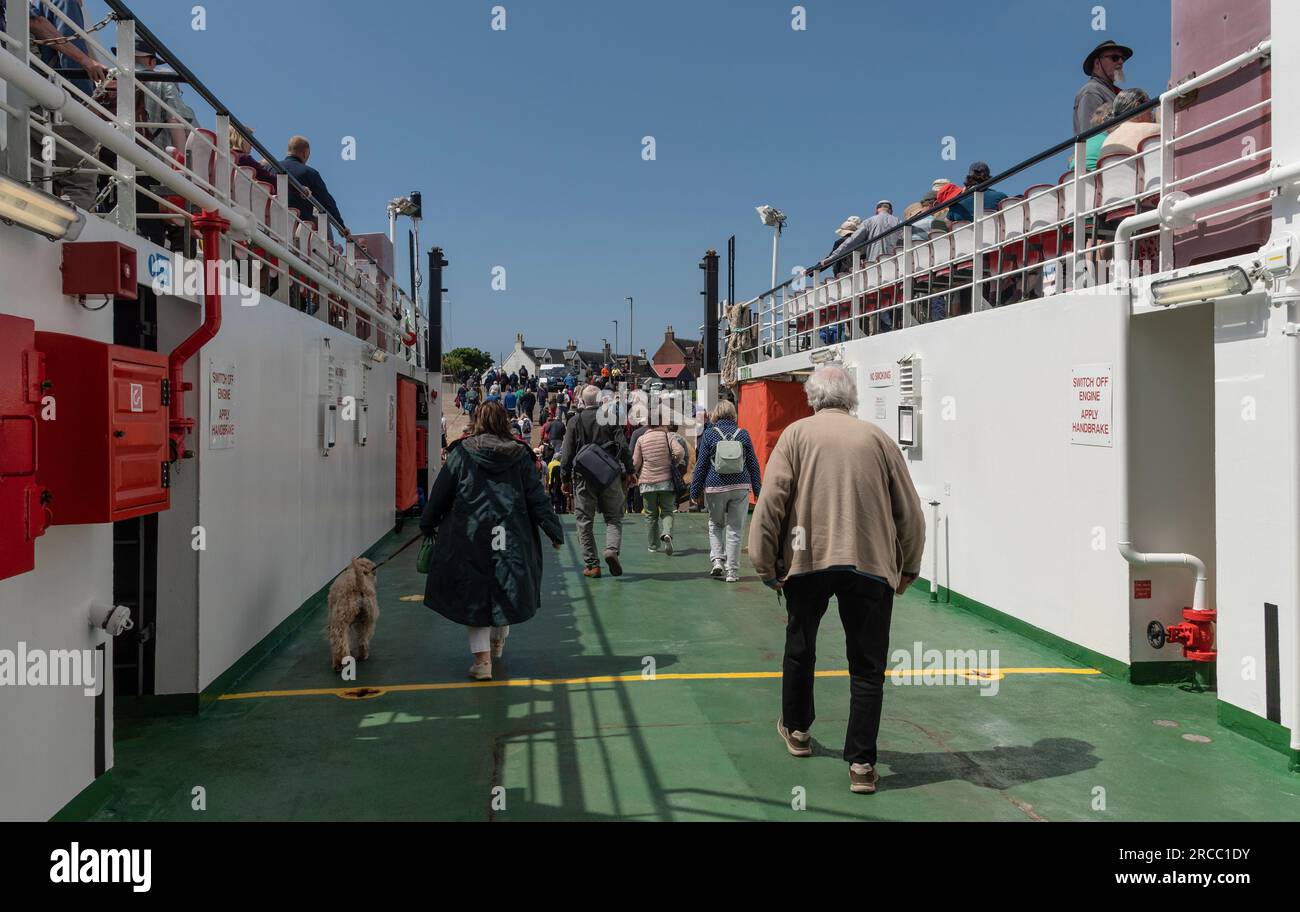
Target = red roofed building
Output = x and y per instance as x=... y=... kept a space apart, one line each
x=678 y=374
x=677 y=361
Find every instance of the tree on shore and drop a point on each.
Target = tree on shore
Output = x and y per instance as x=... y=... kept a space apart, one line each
x=462 y=361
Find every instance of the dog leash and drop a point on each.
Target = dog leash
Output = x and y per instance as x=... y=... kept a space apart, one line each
x=399 y=550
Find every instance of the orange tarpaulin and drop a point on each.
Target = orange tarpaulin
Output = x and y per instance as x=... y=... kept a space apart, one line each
x=406 y=487
x=768 y=407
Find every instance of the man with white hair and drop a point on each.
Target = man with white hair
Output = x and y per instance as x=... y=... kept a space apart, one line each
x=838 y=516
x=601 y=427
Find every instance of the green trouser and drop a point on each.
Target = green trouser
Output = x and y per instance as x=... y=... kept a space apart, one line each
x=610 y=502
x=659 y=508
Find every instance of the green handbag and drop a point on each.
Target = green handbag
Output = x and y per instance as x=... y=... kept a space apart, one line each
x=425 y=557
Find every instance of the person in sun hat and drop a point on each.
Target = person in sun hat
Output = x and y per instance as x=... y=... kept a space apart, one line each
x=1104 y=67
x=847 y=227
x=921 y=227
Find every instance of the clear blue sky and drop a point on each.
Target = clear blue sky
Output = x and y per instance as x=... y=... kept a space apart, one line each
x=527 y=143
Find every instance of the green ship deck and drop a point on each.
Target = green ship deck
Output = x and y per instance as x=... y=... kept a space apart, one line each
x=574 y=730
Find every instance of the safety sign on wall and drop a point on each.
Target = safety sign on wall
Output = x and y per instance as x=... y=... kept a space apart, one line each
x=221 y=404
x=1090 y=405
x=881 y=375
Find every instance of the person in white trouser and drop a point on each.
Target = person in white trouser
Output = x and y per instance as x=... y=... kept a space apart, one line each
x=726 y=470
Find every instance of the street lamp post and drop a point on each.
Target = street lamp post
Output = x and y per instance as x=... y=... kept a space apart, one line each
x=630 y=346
x=613 y=356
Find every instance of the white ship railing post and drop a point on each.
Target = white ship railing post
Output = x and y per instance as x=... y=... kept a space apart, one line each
x=17 y=122
x=1166 y=234
x=350 y=258
x=908 y=310
x=323 y=298
x=859 y=262
x=977 y=255
x=126 y=80
x=221 y=186
x=1080 y=229
x=281 y=204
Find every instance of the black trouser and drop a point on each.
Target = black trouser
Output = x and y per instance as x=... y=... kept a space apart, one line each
x=865 y=608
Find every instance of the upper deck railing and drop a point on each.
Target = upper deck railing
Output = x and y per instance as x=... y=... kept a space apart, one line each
x=156 y=191
x=1050 y=238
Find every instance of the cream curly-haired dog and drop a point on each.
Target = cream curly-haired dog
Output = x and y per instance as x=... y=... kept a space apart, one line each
x=352 y=604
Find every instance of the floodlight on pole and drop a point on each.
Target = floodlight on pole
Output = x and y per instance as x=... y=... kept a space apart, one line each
x=773 y=218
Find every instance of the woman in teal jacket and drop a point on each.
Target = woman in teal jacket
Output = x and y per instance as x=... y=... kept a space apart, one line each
x=484 y=512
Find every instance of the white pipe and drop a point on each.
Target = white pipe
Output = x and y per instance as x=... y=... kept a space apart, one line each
x=1293 y=420
x=1172 y=208
x=53 y=98
x=934 y=551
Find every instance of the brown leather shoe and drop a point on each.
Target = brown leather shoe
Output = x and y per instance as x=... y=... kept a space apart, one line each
x=863 y=778
x=799 y=744
x=592 y=573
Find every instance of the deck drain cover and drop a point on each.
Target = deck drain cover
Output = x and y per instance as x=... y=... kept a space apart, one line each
x=1165 y=723
x=1198 y=739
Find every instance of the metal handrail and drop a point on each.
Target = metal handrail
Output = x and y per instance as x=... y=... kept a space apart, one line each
x=771 y=333
x=386 y=302
x=219 y=108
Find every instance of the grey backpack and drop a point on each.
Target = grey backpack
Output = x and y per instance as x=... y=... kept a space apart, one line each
x=729 y=455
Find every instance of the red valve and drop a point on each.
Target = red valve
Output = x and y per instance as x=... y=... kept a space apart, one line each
x=1195 y=635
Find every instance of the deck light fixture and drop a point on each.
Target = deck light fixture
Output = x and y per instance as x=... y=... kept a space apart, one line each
x=38 y=211
x=1204 y=286
x=773 y=218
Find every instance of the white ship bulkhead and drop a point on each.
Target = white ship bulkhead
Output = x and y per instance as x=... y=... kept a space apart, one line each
x=1029 y=518
x=279 y=517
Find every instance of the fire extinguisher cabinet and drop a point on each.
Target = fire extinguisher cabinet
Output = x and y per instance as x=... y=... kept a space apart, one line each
x=104 y=454
x=22 y=514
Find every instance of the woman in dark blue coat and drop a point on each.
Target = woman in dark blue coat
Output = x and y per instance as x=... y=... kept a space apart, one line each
x=484 y=511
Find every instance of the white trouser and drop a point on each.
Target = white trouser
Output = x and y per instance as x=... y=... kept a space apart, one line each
x=481 y=638
x=727 y=511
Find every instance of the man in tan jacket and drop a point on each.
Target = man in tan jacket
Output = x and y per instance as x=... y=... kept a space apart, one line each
x=838 y=516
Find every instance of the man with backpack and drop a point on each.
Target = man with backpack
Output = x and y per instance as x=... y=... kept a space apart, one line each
x=527 y=399
x=596 y=466
x=726 y=470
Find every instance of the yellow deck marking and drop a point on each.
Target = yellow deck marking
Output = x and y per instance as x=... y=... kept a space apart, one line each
x=377 y=690
x=411 y=598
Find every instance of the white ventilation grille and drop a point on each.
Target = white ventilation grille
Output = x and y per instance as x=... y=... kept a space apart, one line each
x=909 y=376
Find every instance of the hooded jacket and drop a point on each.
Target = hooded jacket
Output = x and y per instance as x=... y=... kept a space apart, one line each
x=484 y=512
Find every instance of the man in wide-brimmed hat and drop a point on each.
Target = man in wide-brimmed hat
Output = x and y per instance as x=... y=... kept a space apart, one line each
x=1104 y=67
